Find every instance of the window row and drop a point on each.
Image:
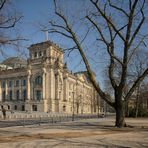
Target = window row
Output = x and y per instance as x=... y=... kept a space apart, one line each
x=15 y=83
x=17 y=95
x=38 y=54
x=15 y=107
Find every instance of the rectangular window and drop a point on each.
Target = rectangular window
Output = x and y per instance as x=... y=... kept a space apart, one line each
x=10 y=83
x=10 y=94
x=17 y=83
x=38 y=95
x=24 y=82
x=35 y=54
x=4 y=95
x=17 y=94
x=34 y=107
x=15 y=107
x=44 y=52
x=3 y=84
x=40 y=53
x=24 y=94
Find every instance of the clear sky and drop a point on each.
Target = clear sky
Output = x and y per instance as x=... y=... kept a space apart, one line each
x=34 y=12
x=37 y=12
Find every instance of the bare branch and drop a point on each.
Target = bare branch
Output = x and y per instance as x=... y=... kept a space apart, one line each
x=59 y=32
x=110 y=50
x=11 y=41
x=130 y=5
x=69 y=49
x=138 y=28
x=108 y=20
x=85 y=36
x=136 y=83
x=106 y=97
x=126 y=46
x=119 y=31
x=13 y=23
x=137 y=47
x=2 y=3
x=90 y=73
x=118 y=8
x=61 y=16
x=99 y=30
x=57 y=26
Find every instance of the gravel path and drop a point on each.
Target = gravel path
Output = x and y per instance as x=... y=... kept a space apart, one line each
x=90 y=133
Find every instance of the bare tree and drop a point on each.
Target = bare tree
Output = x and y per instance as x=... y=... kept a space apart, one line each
x=9 y=18
x=118 y=27
x=138 y=64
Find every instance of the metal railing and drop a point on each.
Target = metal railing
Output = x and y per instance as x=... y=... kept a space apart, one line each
x=39 y=120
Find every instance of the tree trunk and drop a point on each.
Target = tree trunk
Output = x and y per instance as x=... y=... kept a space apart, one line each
x=126 y=108
x=120 y=114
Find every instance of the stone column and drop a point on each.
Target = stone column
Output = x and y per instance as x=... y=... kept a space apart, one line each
x=44 y=81
x=57 y=93
x=83 y=103
x=20 y=90
x=28 y=84
x=13 y=89
x=44 y=84
x=57 y=87
x=52 y=89
x=6 y=90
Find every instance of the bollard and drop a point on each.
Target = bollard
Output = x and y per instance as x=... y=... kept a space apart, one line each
x=23 y=122
x=52 y=120
x=40 y=120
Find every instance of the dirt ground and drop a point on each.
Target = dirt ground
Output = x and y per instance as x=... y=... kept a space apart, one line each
x=95 y=133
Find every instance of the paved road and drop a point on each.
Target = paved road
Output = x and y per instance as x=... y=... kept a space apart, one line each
x=92 y=133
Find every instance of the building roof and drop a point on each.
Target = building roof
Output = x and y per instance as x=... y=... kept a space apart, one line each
x=45 y=45
x=2 y=66
x=15 y=62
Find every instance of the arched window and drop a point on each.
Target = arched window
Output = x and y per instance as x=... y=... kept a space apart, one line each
x=38 y=80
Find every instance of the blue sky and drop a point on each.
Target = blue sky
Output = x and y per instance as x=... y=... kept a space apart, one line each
x=37 y=12
x=34 y=12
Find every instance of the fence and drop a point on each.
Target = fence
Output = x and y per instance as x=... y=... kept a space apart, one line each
x=38 y=120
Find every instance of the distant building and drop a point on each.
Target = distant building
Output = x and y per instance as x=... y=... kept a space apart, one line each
x=43 y=83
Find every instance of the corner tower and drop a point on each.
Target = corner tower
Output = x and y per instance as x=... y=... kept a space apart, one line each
x=45 y=61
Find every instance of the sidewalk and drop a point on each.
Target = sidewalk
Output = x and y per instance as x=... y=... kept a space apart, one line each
x=92 y=133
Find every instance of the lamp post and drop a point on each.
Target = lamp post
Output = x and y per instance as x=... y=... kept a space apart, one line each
x=73 y=108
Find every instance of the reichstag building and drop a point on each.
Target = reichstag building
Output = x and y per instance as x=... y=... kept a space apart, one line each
x=43 y=83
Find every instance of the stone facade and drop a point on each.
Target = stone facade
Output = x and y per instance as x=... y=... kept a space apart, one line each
x=46 y=85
